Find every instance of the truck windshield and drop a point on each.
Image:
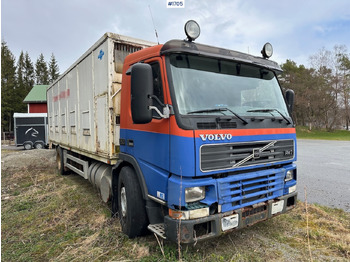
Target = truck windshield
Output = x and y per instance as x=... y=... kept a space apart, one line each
x=203 y=84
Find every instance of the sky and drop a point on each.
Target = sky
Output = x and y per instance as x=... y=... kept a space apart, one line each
x=67 y=28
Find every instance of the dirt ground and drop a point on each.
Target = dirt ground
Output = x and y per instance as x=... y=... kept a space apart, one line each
x=15 y=159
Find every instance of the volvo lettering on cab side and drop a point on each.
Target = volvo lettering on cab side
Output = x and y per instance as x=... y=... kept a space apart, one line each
x=215 y=137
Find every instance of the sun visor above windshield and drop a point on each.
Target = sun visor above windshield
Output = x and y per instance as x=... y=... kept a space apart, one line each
x=180 y=46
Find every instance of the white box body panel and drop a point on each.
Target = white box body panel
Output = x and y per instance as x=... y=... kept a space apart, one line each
x=84 y=102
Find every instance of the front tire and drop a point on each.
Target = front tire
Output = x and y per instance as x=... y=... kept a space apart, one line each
x=131 y=206
x=28 y=146
x=60 y=162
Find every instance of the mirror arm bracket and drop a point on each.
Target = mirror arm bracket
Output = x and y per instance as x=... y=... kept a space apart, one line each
x=157 y=99
x=167 y=111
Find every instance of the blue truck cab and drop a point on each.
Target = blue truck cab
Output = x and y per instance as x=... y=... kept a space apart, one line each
x=207 y=141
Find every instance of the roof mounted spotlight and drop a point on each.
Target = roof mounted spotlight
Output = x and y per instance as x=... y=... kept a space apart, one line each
x=267 y=51
x=192 y=30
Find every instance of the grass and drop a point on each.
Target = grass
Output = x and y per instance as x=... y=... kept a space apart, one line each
x=303 y=132
x=47 y=217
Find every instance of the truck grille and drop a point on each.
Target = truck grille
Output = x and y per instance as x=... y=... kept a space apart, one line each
x=237 y=191
x=234 y=155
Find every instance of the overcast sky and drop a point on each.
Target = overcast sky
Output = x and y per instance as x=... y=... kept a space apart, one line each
x=67 y=28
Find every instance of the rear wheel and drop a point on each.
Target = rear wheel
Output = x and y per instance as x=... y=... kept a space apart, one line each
x=131 y=206
x=60 y=161
x=39 y=145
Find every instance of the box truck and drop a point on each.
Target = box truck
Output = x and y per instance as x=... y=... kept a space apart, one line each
x=185 y=140
x=31 y=130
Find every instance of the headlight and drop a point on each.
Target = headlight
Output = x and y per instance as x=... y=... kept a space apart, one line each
x=292 y=189
x=289 y=176
x=192 y=30
x=267 y=50
x=193 y=194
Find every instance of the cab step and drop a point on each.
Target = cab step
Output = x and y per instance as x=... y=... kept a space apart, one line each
x=158 y=229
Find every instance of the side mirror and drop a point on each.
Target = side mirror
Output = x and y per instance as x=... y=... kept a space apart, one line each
x=141 y=92
x=290 y=99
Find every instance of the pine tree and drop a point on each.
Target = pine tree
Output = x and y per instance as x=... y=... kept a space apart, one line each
x=53 y=69
x=20 y=88
x=8 y=86
x=29 y=77
x=20 y=70
x=41 y=71
x=25 y=80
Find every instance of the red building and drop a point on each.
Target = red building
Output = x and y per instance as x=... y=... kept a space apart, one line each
x=36 y=99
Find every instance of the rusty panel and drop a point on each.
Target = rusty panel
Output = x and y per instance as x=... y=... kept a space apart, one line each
x=122 y=50
x=50 y=115
x=72 y=84
x=100 y=69
x=101 y=124
x=84 y=103
x=62 y=115
x=116 y=97
x=101 y=86
x=55 y=111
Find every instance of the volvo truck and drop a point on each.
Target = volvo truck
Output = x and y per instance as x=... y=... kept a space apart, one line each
x=185 y=140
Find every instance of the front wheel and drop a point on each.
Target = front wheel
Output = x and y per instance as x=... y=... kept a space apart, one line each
x=60 y=162
x=131 y=206
x=28 y=145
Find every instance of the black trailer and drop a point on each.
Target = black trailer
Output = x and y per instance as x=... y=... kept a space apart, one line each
x=31 y=130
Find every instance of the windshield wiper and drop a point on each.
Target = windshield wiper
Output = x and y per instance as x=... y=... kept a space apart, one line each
x=268 y=110
x=221 y=109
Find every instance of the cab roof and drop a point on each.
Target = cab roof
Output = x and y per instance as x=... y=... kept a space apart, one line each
x=183 y=46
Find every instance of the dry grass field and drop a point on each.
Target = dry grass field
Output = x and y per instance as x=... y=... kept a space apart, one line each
x=47 y=217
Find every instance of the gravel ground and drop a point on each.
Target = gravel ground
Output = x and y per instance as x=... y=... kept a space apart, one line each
x=16 y=159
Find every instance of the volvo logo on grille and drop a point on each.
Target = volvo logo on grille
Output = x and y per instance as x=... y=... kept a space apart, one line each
x=256 y=153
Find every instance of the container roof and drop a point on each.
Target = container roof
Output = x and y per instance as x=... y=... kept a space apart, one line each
x=37 y=94
x=28 y=115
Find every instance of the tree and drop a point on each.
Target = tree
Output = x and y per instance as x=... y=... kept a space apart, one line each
x=41 y=71
x=322 y=91
x=25 y=80
x=20 y=88
x=29 y=77
x=53 y=69
x=329 y=68
x=300 y=80
x=344 y=66
x=20 y=69
x=8 y=86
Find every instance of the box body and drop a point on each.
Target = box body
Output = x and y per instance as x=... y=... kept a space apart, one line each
x=84 y=103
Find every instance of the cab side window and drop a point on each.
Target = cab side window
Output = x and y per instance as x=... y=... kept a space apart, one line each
x=157 y=88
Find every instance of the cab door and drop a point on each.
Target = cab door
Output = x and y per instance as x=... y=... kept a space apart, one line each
x=149 y=143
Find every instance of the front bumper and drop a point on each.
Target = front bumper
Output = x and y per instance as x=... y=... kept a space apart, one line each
x=190 y=231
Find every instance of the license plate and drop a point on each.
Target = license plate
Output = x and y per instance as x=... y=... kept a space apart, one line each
x=229 y=222
x=277 y=207
x=252 y=219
